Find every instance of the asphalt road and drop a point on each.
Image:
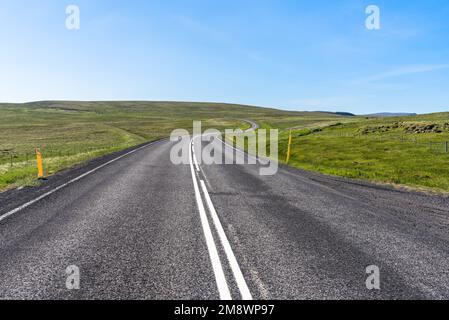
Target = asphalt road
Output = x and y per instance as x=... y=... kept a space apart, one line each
x=141 y=227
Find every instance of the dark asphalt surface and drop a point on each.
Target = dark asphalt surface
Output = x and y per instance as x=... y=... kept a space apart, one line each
x=134 y=230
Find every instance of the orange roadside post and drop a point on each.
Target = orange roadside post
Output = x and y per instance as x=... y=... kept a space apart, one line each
x=40 y=170
x=289 y=150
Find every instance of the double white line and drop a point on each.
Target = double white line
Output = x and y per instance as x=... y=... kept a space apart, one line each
x=220 y=278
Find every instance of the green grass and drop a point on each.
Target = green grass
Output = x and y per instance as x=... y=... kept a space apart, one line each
x=395 y=150
x=385 y=150
x=69 y=133
x=391 y=154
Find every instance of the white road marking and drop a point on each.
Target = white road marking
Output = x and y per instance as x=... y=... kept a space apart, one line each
x=241 y=283
x=205 y=178
x=240 y=280
x=10 y=213
x=220 y=279
x=240 y=151
x=194 y=159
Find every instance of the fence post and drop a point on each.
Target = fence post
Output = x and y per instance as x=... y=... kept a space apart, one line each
x=289 y=149
x=10 y=158
x=446 y=146
x=40 y=171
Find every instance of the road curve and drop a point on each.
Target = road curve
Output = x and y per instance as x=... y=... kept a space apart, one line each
x=134 y=229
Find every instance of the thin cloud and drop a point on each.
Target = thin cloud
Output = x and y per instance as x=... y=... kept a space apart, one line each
x=322 y=102
x=198 y=27
x=403 y=72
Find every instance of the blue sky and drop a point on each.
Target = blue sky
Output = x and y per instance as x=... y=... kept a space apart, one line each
x=297 y=55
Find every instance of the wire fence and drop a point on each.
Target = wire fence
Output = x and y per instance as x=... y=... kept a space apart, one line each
x=441 y=146
x=12 y=158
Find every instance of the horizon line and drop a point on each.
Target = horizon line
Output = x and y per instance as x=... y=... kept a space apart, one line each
x=229 y=103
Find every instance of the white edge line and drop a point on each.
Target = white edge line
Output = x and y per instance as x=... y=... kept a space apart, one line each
x=10 y=213
x=241 y=283
x=220 y=279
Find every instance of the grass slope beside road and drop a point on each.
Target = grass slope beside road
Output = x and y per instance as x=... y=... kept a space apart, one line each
x=407 y=151
x=400 y=150
x=70 y=133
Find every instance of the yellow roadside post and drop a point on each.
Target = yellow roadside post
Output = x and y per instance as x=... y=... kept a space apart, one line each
x=289 y=150
x=40 y=170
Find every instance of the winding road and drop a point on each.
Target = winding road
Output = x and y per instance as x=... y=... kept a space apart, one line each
x=139 y=227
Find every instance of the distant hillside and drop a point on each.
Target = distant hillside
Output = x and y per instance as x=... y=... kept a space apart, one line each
x=345 y=114
x=341 y=113
x=391 y=114
x=72 y=132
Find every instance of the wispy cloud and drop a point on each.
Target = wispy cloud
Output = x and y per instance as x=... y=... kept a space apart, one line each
x=403 y=71
x=198 y=27
x=328 y=103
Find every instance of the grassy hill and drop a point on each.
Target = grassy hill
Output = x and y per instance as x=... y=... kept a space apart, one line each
x=409 y=150
x=70 y=132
